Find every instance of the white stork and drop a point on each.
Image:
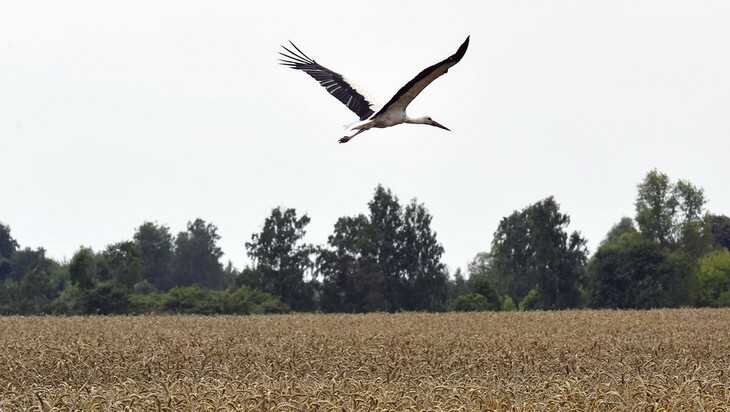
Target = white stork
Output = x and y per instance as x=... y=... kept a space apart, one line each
x=394 y=112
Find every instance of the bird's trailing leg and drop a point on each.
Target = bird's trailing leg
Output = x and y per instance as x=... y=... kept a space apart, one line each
x=348 y=138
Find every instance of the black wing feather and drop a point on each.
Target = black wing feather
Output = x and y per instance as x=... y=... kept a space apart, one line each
x=408 y=92
x=331 y=81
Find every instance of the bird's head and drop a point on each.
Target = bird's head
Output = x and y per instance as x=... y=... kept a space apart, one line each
x=429 y=121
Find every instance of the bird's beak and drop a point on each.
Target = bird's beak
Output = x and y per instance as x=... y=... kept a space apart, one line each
x=439 y=125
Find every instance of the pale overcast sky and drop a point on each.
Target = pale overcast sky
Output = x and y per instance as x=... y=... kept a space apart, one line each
x=114 y=113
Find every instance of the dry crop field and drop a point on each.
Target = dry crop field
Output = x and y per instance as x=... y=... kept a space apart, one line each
x=572 y=360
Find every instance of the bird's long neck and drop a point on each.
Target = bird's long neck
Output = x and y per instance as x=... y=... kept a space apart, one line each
x=417 y=120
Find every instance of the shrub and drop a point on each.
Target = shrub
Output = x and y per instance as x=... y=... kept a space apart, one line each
x=532 y=300
x=723 y=301
x=141 y=303
x=246 y=301
x=68 y=302
x=184 y=299
x=714 y=279
x=471 y=302
x=105 y=299
x=508 y=305
x=192 y=299
x=481 y=285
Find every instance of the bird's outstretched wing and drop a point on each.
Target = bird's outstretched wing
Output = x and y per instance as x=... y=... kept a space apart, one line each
x=333 y=82
x=407 y=93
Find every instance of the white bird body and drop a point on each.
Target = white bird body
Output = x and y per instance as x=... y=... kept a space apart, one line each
x=390 y=118
x=392 y=113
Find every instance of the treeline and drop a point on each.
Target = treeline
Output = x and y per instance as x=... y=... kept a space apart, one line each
x=671 y=253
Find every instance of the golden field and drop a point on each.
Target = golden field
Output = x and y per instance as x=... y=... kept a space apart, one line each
x=571 y=360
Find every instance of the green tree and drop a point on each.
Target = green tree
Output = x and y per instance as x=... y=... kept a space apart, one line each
x=532 y=301
x=8 y=246
x=82 y=268
x=510 y=257
x=68 y=302
x=8 y=297
x=625 y=225
x=694 y=235
x=670 y=214
x=282 y=259
x=122 y=263
x=389 y=260
x=457 y=286
x=421 y=253
x=32 y=269
x=230 y=275
x=508 y=305
x=656 y=207
x=479 y=283
x=31 y=284
x=105 y=298
x=482 y=268
x=352 y=280
x=386 y=222
x=634 y=272
x=720 y=229
x=197 y=256
x=156 y=251
x=249 y=278
x=26 y=260
x=35 y=292
x=690 y=201
x=531 y=249
x=714 y=278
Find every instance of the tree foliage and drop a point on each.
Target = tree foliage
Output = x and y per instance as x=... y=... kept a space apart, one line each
x=193 y=299
x=669 y=213
x=121 y=263
x=105 y=298
x=471 y=302
x=625 y=225
x=531 y=249
x=386 y=243
x=8 y=246
x=714 y=279
x=197 y=256
x=656 y=207
x=389 y=260
x=655 y=266
x=672 y=253
x=720 y=229
x=634 y=272
x=457 y=286
x=281 y=259
x=118 y=279
x=421 y=261
x=481 y=285
x=35 y=291
x=83 y=268
x=352 y=281
x=156 y=251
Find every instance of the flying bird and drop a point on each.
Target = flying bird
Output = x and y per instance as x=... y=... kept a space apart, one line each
x=392 y=113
